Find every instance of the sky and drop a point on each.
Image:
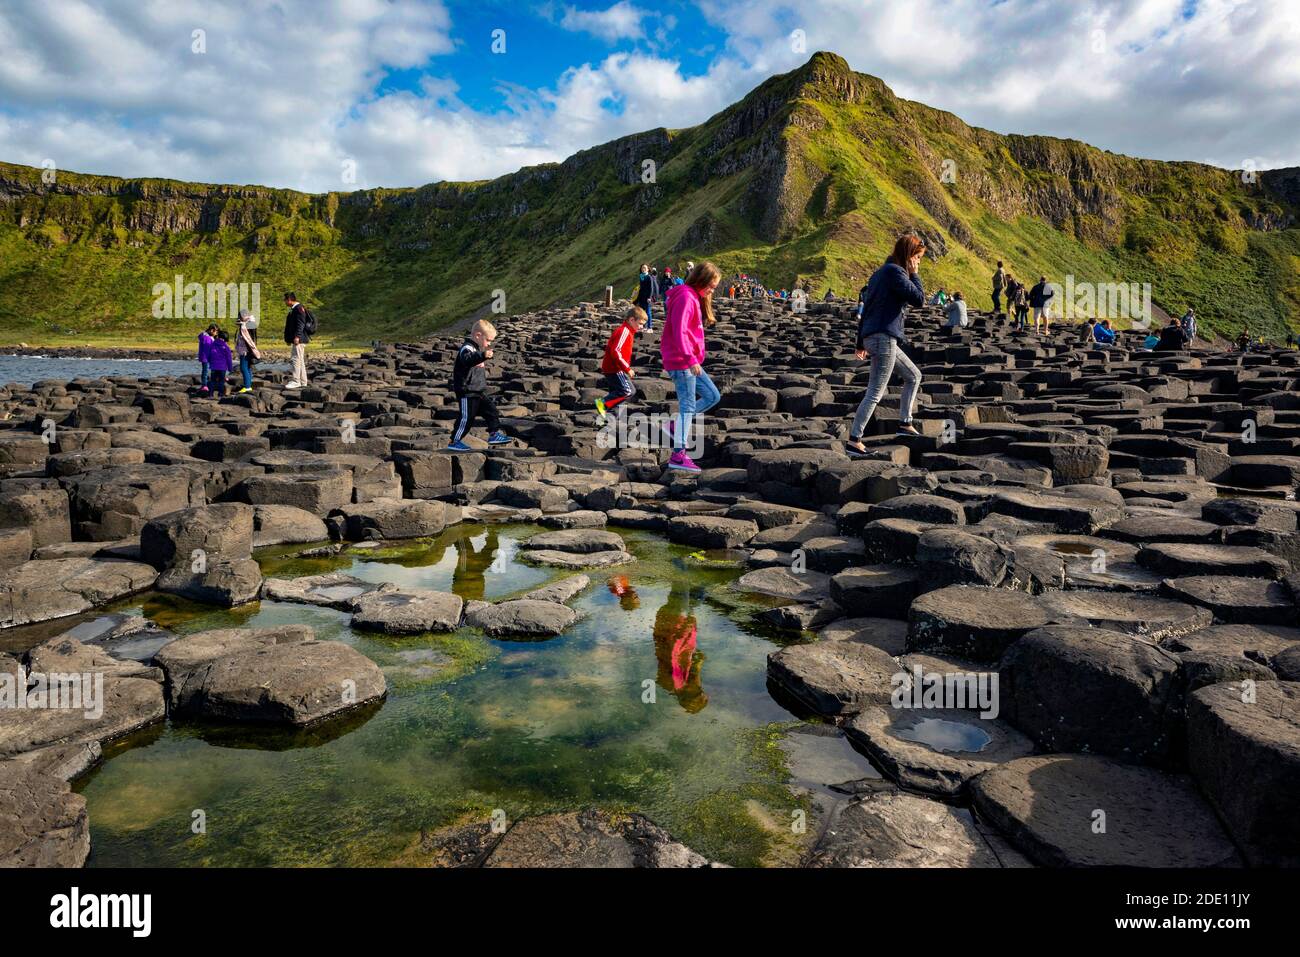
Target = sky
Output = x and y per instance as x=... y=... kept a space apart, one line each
x=322 y=95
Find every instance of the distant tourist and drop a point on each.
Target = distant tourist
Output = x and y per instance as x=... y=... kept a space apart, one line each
x=885 y=298
x=1085 y=331
x=1172 y=337
x=957 y=312
x=645 y=296
x=940 y=298
x=1243 y=340
x=830 y=295
x=1189 y=325
x=1103 y=334
x=999 y=284
x=246 y=347
x=681 y=346
x=655 y=289
x=1040 y=300
x=221 y=362
x=1150 y=342
x=205 y=356
x=297 y=333
x=1290 y=340
x=1021 y=303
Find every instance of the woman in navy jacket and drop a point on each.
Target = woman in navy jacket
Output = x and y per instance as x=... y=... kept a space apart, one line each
x=884 y=300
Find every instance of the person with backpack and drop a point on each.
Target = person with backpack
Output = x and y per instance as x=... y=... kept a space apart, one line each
x=999 y=283
x=246 y=348
x=299 y=327
x=1189 y=325
x=1040 y=300
x=885 y=298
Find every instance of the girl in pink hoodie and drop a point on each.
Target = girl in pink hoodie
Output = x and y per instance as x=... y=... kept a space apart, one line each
x=689 y=309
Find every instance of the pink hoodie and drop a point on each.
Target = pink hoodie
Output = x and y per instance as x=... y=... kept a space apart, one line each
x=682 y=342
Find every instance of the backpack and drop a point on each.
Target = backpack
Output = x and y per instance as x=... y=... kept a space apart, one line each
x=309 y=321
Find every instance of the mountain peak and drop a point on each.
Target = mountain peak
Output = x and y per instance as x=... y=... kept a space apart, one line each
x=828 y=76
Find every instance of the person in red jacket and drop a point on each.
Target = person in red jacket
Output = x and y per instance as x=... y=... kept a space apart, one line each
x=617 y=363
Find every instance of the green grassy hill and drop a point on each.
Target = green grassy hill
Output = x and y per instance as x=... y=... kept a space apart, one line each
x=810 y=177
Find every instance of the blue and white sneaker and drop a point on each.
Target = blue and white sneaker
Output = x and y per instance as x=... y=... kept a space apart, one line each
x=498 y=438
x=459 y=447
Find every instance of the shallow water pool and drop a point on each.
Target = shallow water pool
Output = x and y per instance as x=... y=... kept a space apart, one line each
x=655 y=702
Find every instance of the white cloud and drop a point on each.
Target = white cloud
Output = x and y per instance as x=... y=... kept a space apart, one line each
x=622 y=21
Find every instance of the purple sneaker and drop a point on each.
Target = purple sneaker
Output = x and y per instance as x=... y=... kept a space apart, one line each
x=682 y=461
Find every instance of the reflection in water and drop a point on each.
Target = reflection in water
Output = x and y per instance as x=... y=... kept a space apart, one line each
x=474 y=555
x=675 y=649
x=622 y=589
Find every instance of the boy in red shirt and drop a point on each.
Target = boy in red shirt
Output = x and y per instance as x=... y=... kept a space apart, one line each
x=617 y=363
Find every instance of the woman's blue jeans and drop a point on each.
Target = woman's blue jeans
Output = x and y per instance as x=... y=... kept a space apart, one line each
x=696 y=394
x=246 y=370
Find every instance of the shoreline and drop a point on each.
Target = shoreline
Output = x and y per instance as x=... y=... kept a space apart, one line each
x=155 y=354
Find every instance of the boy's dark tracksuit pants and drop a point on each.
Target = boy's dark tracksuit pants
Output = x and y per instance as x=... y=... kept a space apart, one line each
x=620 y=388
x=472 y=406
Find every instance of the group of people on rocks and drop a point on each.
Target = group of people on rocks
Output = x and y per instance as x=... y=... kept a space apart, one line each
x=217 y=358
x=653 y=288
x=1021 y=299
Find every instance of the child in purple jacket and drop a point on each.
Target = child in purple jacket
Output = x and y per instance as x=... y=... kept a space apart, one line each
x=221 y=361
x=205 y=355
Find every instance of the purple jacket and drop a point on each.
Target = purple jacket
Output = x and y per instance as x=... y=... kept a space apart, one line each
x=205 y=348
x=219 y=356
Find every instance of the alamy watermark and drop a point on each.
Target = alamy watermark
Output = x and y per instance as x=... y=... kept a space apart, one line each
x=954 y=690
x=55 y=691
x=1129 y=301
x=196 y=300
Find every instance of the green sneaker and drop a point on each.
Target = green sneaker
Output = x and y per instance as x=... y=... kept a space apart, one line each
x=601 y=412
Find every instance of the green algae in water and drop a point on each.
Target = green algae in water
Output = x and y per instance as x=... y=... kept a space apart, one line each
x=654 y=702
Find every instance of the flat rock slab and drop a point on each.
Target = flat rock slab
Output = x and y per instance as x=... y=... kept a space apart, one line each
x=1074 y=688
x=1147 y=616
x=387 y=519
x=1048 y=807
x=935 y=750
x=779 y=582
x=593 y=839
x=127 y=705
x=887 y=634
x=183 y=659
x=1244 y=751
x=41 y=590
x=561 y=591
x=296 y=683
x=579 y=541
x=42 y=822
x=834 y=677
x=557 y=559
x=1246 y=601
x=286 y=525
x=1232 y=652
x=407 y=611
x=894 y=829
x=1184 y=560
x=522 y=618
x=878 y=591
x=979 y=624
x=579 y=518
x=709 y=531
x=333 y=590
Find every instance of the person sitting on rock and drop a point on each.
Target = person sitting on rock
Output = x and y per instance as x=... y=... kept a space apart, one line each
x=1103 y=335
x=1150 y=342
x=957 y=312
x=469 y=382
x=1085 y=331
x=1243 y=340
x=617 y=362
x=940 y=298
x=885 y=298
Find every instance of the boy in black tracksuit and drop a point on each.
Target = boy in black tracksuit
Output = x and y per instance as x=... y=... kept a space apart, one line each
x=469 y=381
